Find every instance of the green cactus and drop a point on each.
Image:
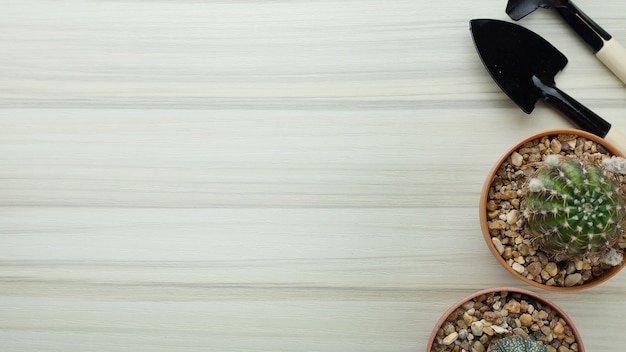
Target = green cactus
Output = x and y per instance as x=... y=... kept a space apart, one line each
x=518 y=343
x=574 y=209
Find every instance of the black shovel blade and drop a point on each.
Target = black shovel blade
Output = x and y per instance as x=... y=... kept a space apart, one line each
x=517 y=9
x=513 y=55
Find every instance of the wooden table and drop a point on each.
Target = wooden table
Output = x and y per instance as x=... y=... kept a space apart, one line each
x=261 y=175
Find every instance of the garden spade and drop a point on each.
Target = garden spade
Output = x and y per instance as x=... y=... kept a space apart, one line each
x=606 y=48
x=524 y=65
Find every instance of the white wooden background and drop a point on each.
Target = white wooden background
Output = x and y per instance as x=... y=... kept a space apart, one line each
x=261 y=175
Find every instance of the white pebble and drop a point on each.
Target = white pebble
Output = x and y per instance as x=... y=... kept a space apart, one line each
x=518 y=267
x=498 y=329
x=613 y=257
x=498 y=244
x=617 y=165
x=517 y=159
x=477 y=328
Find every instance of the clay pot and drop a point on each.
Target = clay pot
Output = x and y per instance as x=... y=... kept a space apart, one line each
x=596 y=280
x=537 y=301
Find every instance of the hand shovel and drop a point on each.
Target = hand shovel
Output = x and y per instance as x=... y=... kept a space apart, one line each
x=524 y=66
x=606 y=48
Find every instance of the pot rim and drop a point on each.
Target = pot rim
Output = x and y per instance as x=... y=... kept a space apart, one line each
x=537 y=296
x=607 y=274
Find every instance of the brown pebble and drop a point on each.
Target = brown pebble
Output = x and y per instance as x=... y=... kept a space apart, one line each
x=490 y=316
x=467 y=319
x=551 y=269
x=507 y=253
x=523 y=306
x=543 y=259
x=520 y=331
x=555 y=146
x=497 y=225
x=526 y=319
x=558 y=329
x=484 y=339
x=534 y=269
x=478 y=347
x=513 y=306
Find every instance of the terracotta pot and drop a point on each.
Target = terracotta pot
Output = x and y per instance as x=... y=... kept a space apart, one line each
x=607 y=274
x=512 y=291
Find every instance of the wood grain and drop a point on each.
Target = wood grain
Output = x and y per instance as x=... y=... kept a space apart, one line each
x=260 y=176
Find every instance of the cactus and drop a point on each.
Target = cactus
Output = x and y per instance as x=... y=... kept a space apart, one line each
x=518 y=343
x=574 y=209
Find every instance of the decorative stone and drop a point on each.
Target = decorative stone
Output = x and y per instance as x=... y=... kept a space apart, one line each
x=520 y=331
x=543 y=259
x=497 y=225
x=513 y=306
x=508 y=253
x=498 y=329
x=478 y=347
x=534 y=269
x=555 y=146
x=463 y=334
x=518 y=267
x=477 y=328
x=572 y=279
x=551 y=269
x=498 y=244
x=467 y=318
x=448 y=340
x=517 y=159
x=490 y=316
x=512 y=217
x=524 y=249
x=449 y=329
x=526 y=319
x=558 y=329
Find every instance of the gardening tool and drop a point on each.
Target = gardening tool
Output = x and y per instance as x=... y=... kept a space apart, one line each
x=524 y=65
x=606 y=48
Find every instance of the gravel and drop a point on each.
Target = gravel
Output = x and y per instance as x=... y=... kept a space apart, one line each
x=480 y=322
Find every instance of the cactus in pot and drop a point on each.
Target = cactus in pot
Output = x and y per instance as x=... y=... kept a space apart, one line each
x=518 y=343
x=574 y=209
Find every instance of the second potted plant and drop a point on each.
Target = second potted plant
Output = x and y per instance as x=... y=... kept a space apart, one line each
x=553 y=210
x=502 y=319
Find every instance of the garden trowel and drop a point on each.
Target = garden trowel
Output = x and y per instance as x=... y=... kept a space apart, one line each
x=524 y=65
x=605 y=47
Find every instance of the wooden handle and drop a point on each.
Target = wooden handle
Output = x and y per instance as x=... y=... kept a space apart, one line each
x=616 y=138
x=613 y=55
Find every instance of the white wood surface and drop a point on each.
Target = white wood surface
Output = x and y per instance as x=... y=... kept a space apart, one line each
x=261 y=175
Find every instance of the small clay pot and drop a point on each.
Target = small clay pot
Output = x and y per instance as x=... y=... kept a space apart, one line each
x=484 y=199
x=530 y=297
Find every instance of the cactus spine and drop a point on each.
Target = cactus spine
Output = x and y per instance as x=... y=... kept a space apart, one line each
x=518 y=343
x=574 y=209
